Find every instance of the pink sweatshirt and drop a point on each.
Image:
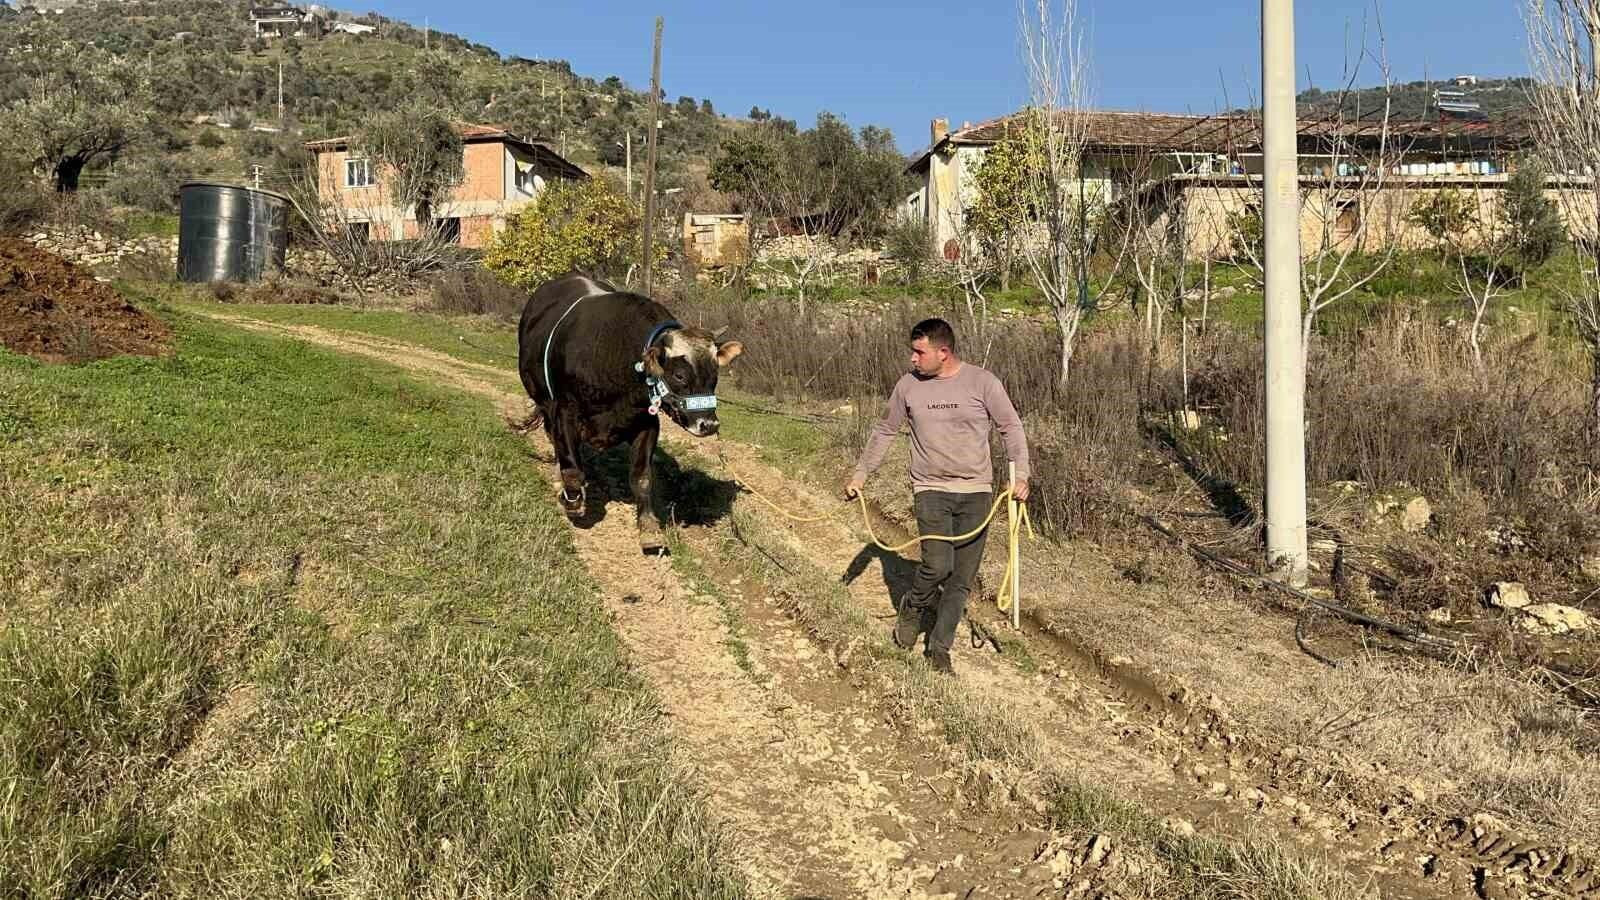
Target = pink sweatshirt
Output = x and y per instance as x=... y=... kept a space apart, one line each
x=950 y=421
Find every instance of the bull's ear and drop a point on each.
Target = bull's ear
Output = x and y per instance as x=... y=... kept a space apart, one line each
x=728 y=351
x=652 y=363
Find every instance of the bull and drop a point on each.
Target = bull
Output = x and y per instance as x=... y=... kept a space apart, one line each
x=601 y=365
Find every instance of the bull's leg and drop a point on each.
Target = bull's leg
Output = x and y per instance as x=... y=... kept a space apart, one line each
x=641 y=479
x=563 y=439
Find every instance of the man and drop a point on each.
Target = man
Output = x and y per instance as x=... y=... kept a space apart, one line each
x=951 y=405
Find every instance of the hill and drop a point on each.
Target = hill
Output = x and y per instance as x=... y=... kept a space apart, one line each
x=217 y=91
x=1416 y=100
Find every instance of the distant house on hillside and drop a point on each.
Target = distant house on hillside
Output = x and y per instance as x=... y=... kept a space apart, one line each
x=353 y=28
x=503 y=174
x=1209 y=168
x=285 y=21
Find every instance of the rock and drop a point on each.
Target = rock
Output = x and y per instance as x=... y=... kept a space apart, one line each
x=1553 y=618
x=1590 y=566
x=1225 y=293
x=1416 y=515
x=1440 y=616
x=1186 y=420
x=1508 y=595
x=1180 y=827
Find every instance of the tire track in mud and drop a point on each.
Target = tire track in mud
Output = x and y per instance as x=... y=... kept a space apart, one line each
x=822 y=797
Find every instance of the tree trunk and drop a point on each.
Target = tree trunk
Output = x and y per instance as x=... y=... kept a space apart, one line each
x=66 y=175
x=1067 y=318
x=1594 y=404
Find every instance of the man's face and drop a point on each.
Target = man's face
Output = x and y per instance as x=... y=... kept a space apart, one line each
x=927 y=359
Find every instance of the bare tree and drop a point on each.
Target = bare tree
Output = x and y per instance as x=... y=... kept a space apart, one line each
x=1348 y=225
x=1477 y=246
x=1059 y=249
x=1564 y=49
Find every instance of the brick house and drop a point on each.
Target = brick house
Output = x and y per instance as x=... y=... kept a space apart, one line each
x=502 y=173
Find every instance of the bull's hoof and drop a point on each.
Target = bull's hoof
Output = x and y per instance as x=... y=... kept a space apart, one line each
x=572 y=503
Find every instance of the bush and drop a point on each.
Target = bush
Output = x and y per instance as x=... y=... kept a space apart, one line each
x=584 y=226
x=210 y=139
x=476 y=292
x=24 y=202
x=1531 y=219
x=910 y=245
x=150 y=183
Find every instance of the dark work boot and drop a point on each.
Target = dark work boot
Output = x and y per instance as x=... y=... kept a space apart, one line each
x=910 y=623
x=939 y=661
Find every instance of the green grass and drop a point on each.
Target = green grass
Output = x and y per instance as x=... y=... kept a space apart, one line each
x=142 y=223
x=279 y=624
x=485 y=343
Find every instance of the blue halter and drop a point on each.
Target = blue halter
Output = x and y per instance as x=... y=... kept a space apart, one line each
x=660 y=394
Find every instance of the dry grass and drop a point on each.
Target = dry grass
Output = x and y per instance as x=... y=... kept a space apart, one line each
x=991 y=733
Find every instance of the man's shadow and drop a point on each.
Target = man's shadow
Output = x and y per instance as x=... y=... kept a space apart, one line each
x=898 y=572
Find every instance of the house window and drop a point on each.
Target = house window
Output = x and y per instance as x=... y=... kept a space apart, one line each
x=449 y=230
x=1347 y=215
x=358 y=173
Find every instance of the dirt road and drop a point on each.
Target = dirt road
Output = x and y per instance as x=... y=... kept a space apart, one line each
x=809 y=757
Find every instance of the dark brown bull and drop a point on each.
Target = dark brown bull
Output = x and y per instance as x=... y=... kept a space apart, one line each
x=600 y=364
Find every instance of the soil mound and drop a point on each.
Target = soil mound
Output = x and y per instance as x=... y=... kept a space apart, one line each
x=54 y=311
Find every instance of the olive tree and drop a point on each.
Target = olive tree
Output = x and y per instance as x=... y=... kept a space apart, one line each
x=78 y=105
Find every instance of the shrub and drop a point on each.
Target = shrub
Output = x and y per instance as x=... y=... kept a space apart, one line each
x=476 y=292
x=210 y=140
x=1532 y=220
x=1446 y=216
x=582 y=226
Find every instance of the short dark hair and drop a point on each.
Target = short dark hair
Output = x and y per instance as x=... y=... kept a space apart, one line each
x=937 y=331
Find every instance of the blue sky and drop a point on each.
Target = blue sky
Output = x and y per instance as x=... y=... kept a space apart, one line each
x=901 y=64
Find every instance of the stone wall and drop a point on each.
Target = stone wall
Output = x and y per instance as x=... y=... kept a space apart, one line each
x=92 y=249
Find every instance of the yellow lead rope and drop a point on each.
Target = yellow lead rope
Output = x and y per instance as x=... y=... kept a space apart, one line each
x=1013 y=529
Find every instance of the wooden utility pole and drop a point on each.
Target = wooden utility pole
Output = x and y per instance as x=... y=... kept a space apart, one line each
x=650 y=160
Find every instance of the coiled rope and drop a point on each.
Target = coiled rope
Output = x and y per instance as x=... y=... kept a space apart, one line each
x=1014 y=528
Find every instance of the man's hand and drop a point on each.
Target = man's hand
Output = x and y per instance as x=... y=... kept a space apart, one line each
x=1020 y=491
x=853 y=489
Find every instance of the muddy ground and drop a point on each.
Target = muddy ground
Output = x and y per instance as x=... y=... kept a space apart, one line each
x=1179 y=692
x=57 y=312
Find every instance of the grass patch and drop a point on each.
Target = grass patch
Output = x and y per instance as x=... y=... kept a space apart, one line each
x=695 y=576
x=281 y=625
x=484 y=344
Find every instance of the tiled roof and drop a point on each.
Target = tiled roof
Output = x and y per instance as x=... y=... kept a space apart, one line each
x=1114 y=130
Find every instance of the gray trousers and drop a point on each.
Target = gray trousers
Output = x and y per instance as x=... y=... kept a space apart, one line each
x=951 y=565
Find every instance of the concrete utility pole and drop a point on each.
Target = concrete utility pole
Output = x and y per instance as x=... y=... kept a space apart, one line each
x=1285 y=366
x=650 y=159
x=280 y=87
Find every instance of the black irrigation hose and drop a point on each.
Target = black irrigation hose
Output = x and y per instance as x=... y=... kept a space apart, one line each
x=1300 y=638
x=1401 y=631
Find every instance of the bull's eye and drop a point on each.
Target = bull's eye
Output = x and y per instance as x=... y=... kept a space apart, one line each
x=679 y=379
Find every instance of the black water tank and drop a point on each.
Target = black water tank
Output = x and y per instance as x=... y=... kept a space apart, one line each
x=230 y=233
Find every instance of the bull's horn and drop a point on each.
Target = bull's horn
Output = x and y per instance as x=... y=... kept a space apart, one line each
x=718 y=333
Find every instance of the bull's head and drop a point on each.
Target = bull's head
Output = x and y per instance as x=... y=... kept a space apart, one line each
x=687 y=361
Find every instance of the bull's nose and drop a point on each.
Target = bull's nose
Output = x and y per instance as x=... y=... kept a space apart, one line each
x=705 y=427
